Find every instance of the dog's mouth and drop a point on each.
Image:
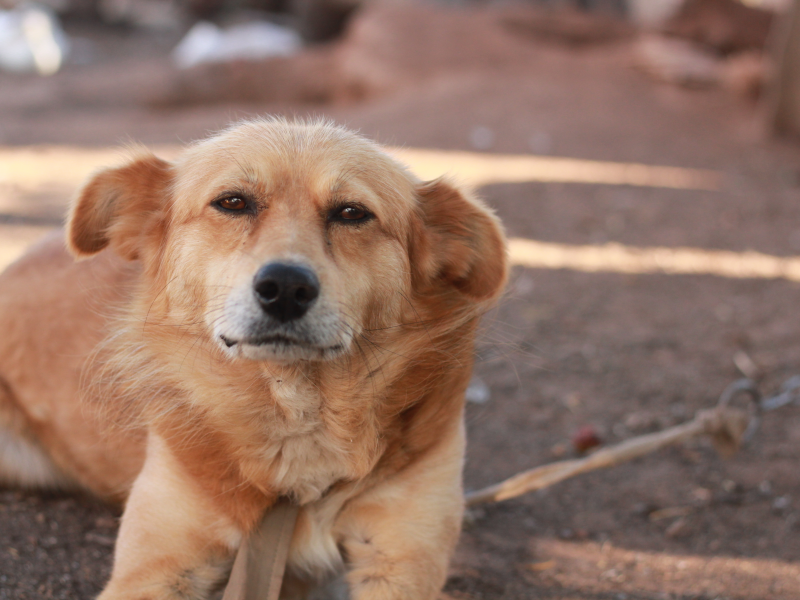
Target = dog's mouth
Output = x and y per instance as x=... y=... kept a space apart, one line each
x=247 y=334
x=279 y=342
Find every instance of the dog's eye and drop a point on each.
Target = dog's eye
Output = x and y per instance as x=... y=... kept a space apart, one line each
x=351 y=214
x=231 y=204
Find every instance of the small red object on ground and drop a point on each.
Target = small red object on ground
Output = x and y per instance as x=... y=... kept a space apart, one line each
x=585 y=439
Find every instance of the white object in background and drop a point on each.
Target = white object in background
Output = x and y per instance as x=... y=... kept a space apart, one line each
x=651 y=13
x=477 y=391
x=205 y=42
x=31 y=40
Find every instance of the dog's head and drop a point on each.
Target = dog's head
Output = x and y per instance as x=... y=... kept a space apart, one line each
x=284 y=241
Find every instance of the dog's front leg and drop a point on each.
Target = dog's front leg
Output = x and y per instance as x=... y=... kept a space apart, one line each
x=174 y=542
x=399 y=536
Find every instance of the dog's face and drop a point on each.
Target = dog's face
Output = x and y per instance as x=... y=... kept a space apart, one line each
x=286 y=241
x=296 y=244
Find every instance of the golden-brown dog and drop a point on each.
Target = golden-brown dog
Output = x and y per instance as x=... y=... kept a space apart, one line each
x=283 y=311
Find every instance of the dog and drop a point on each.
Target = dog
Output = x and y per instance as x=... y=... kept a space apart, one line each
x=284 y=311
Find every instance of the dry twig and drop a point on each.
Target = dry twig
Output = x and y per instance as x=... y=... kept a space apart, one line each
x=725 y=425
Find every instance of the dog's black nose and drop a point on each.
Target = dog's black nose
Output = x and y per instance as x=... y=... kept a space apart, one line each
x=285 y=291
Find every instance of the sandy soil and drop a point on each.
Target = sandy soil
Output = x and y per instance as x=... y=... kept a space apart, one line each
x=623 y=352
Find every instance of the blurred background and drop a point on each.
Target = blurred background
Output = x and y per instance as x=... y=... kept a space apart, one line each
x=644 y=157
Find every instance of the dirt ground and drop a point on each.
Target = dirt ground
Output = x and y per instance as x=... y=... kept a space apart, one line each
x=625 y=353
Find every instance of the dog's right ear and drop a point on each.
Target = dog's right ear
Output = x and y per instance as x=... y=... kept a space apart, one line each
x=120 y=207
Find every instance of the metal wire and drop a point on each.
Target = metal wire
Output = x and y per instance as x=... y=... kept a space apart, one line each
x=789 y=394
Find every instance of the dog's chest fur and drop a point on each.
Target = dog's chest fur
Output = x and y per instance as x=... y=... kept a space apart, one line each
x=306 y=456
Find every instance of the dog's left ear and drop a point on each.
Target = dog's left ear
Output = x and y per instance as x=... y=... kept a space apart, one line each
x=461 y=243
x=120 y=208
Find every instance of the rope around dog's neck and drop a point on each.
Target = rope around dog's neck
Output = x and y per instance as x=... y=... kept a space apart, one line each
x=260 y=563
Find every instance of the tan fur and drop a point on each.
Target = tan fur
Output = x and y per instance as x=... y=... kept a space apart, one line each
x=361 y=423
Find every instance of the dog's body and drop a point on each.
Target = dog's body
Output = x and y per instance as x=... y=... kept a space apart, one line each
x=285 y=311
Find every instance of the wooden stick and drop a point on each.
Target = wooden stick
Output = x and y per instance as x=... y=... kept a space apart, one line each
x=726 y=427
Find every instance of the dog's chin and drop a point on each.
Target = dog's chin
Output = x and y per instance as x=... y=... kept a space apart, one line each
x=283 y=349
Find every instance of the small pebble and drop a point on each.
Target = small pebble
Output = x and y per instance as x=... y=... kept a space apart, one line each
x=102 y=540
x=573 y=534
x=585 y=439
x=781 y=503
x=473 y=514
x=640 y=421
x=559 y=450
x=702 y=495
x=679 y=528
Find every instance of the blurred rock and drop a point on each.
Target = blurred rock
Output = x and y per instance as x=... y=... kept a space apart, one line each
x=724 y=26
x=310 y=77
x=155 y=15
x=577 y=29
x=651 y=13
x=676 y=61
x=322 y=20
x=385 y=47
x=690 y=64
x=746 y=74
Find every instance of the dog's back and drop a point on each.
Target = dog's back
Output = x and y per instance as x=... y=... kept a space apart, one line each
x=54 y=312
